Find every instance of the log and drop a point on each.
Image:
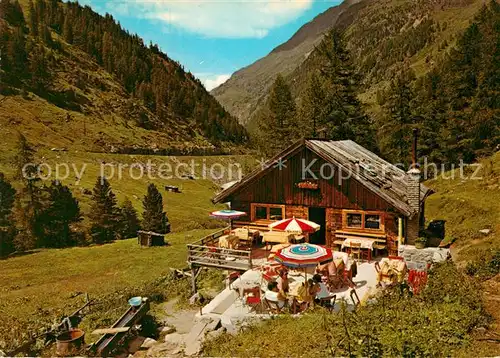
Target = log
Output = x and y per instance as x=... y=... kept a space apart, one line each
x=101 y=331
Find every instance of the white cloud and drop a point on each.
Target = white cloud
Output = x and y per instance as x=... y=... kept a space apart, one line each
x=220 y=18
x=210 y=81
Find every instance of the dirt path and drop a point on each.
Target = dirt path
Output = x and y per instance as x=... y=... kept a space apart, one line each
x=182 y=320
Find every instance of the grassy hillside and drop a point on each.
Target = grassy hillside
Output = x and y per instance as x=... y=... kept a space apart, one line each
x=39 y=288
x=469 y=205
x=186 y=210
x=381 y=35
x=74 y=79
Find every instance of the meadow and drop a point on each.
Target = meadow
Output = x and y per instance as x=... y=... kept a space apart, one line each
x=39 y=287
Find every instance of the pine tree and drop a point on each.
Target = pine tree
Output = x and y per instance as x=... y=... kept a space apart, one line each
x=40 y=74
x=344 y=116
x=45 y=34
x=129 y=221
x=12 y=12
x=154 y=218
x=278 y=124
x=56 y=220
x=16 y=53
x=397 y=126
x=68 y=28
x=33 y=19
x=7 y=199
x=312 y=106
x=30 y=199
x=103 y=213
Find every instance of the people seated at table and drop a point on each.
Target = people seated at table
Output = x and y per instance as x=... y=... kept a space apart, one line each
x=320 y=287
x=273 y=294
x=282 y=281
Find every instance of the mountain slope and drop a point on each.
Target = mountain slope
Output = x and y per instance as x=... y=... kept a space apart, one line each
x=244 y=92
x=72 y=78
x=381 y=35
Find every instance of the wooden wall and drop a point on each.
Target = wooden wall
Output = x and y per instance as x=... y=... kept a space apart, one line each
x=278 y=187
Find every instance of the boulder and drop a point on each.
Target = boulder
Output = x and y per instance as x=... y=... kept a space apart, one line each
x=165 y=330
x=148 y=343
x=485 y=231
x=174 y=338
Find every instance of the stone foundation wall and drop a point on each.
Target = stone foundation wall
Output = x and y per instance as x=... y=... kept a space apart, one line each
x=420 y=259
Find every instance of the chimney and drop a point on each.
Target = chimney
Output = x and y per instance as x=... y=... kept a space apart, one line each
x=413 y=193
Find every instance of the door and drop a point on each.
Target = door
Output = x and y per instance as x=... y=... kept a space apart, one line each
x=318 y=215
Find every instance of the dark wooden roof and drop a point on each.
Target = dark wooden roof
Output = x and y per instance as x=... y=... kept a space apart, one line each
x=381 y=177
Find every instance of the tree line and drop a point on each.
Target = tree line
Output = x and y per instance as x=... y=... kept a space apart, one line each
x=39 y=215
x=455 y=105
x=329 y=107
x=29 y=52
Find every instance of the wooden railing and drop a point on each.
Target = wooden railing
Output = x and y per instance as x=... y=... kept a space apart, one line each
x=255 y=225
x=206 y=253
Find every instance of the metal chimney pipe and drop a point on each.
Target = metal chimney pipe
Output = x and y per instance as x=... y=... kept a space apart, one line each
x=414 y=148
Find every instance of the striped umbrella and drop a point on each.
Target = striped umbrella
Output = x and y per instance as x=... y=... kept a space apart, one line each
x=293 y=225
x=227 y=214
x=303 y=255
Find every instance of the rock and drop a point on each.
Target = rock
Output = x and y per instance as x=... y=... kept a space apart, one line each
x=148 y=343
x=162 y=350
x=174 y=338
x=485 y=231
x=166 y=330
x=194 y=298
x=215 y=334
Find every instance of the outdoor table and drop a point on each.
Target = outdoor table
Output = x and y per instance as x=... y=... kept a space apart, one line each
x=228 y=241
x=366 y=244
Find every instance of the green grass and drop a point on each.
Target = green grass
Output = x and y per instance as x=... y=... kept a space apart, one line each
x=186 y=211
x=40 y=287
x=468 y=206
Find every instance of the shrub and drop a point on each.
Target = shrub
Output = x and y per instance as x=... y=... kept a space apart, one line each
x=438 y=322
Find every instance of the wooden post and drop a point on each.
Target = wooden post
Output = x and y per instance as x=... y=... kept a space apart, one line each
x=400 y=231
x=193 y=279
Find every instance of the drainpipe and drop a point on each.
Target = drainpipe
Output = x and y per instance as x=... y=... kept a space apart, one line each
x=400 y=231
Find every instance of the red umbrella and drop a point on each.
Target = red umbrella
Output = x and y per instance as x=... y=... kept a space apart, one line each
x=295 y=225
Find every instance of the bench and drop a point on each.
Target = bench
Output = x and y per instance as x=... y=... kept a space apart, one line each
x=275 y=237
x=379 y=238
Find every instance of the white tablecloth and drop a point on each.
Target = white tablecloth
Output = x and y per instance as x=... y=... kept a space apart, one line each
x=365 y=243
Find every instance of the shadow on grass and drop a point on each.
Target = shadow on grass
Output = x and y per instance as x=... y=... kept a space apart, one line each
x=20 y=253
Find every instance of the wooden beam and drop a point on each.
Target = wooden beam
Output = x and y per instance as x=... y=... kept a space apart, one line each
x=100 y=331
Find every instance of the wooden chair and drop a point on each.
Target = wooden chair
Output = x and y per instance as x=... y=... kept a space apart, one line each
x=274 y=306
x=252 y=297
x=355 y=249
x=347 y=277
x=355 y=298
x=328 y=302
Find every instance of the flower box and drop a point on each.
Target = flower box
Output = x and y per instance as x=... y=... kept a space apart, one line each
x=307 y=185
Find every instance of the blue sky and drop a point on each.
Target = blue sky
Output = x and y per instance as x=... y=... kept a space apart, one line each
x=213 y=38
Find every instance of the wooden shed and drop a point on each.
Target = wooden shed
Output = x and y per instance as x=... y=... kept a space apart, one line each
x=340 y=185
x=149 y=238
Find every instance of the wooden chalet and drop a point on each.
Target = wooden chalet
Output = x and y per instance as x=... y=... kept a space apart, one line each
x=347 y=189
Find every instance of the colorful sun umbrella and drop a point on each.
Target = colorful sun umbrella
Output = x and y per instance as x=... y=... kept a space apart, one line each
x=227 y=214
x=303 y=255
x=294 y=225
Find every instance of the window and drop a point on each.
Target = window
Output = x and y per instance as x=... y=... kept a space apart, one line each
x=270 y=212
x=275 y=213
x=363 y=220
x=354 y=220
x=372 y=221
x=260 y=213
